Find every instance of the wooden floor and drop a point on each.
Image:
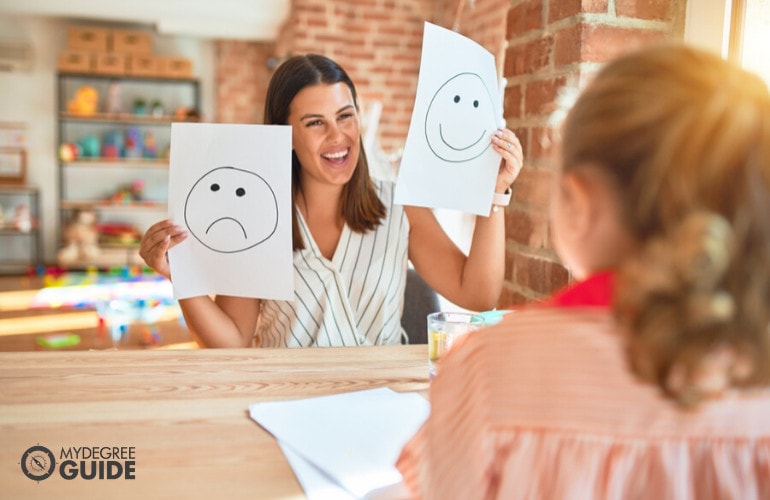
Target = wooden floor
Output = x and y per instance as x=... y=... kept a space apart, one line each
x=26 y=327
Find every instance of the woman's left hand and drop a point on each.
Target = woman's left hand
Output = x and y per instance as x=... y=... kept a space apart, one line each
x=508 y=147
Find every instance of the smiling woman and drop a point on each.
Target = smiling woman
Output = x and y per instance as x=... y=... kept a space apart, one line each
x=351 y=242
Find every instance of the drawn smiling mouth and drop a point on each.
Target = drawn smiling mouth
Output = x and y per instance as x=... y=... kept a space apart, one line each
x=441 y=134
x=227 y=218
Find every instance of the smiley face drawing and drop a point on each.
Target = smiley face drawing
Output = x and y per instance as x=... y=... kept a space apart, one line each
x=230 y=210
x=460 y=119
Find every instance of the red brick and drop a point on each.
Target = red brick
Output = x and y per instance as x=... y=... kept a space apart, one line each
x=599 y=42
x=540 y=95
x=644 y=9
x=525 y=17
x=562 y=9
x=527 y=227
x=513 y=103
x=533 y=188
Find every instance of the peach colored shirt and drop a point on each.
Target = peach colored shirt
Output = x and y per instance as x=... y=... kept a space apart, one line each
x=542 y=406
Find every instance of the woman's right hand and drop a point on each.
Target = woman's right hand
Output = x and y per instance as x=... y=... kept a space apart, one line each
x=155 y=244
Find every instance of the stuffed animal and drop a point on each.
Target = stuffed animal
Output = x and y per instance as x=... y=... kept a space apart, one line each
x=80 y=238
x=85 y=101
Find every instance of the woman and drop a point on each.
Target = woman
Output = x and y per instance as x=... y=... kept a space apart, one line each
x=649 y=377
x=351 y=243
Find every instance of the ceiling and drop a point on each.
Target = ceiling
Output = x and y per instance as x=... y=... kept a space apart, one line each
x=254 y=20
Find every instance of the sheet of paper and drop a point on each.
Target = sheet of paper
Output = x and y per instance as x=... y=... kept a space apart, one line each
x=353 y=438
x=230 y=187
x=448 y=159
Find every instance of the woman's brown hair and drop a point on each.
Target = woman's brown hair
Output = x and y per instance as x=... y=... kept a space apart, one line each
x=686 y=137
x=362 y=209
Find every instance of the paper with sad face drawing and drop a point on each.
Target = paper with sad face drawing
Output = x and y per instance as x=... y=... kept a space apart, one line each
x=230 y=188
x=448 y=159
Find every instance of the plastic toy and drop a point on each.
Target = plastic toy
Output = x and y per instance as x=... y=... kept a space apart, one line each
x=69 y=151
x=85 y=101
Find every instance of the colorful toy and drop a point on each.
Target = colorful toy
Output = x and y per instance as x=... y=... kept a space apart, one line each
x=150 y=145
x=89 y=146
x=130 y=193
x=69 y=151
x=58 y=340
x=119 y=233
x=112 y=144
x=133 y=144
x=85 y=101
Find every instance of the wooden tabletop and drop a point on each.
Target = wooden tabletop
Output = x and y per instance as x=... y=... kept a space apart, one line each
x=183 y=415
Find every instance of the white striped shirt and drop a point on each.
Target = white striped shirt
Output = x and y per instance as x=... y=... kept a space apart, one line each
x=356 y=298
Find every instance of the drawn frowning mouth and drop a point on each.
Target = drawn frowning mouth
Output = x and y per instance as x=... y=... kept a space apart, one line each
x=227 y=218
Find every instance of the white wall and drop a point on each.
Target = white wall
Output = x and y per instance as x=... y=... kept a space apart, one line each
x=30 y=97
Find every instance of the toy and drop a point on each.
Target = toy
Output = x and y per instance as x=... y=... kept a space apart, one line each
x=69 y=151
x=85 y=101
x=129 y=193
x=119 y=233
x=80 y=238
x=112 y=144
x=133 y=144
x=150 y=145
x=22 y=219
x=113 y=98
x=89 y=146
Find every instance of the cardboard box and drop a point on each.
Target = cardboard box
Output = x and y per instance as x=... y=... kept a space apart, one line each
x=131 y=42
x=140 y=65
x=109 y=63
x=176 y=67
x=85 y=38
x=75 y=61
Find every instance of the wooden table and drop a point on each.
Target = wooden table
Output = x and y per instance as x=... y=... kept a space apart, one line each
x=184 y=414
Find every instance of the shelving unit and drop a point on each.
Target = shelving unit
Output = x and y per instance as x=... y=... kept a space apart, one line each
x=125 y=184
x=20 y=246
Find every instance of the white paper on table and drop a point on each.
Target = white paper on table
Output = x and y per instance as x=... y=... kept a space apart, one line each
x=448 y=160
x=352 y=439
x=230 y=187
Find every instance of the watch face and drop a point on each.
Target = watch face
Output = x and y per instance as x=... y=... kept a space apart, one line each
x=38 y=463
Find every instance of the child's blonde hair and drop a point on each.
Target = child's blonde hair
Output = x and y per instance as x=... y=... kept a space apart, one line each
x=686 y=137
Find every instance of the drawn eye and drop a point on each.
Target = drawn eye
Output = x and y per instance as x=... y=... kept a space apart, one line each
x=240 y=192
x=215 y=187
x=475 y=104
x=457 y=98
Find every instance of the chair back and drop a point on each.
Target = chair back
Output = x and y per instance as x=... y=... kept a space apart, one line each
x=419 y=301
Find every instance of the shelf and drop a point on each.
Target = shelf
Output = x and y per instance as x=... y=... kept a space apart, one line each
x=127 y=78
x=109 y=256
x=100 y=184
x=11 y=230
x=125 y=118
x=119 y=162
x=107 y=206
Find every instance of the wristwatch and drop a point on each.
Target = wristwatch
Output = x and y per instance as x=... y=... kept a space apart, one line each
x=501 y=200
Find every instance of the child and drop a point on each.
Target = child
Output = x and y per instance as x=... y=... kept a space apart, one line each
x=648 y=378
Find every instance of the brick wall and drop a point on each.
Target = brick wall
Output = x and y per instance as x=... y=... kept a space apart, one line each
x=552 y=43
x=540 y=45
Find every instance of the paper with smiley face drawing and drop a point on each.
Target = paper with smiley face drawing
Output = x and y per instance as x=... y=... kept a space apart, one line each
x=230 y=187
x=448 y=160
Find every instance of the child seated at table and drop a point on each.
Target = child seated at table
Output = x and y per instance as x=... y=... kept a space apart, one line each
x=648 y=377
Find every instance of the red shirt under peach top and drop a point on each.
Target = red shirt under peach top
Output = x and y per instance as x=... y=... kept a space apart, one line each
x=543 y=406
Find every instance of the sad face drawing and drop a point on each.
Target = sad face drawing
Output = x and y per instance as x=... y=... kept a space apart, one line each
x=231 y=210
x=460 y=119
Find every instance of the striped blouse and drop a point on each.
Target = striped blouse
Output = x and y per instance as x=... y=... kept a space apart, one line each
x=543 y=406
x=356 y=298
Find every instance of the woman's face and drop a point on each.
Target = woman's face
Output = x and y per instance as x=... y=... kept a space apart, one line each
x=325 y=133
